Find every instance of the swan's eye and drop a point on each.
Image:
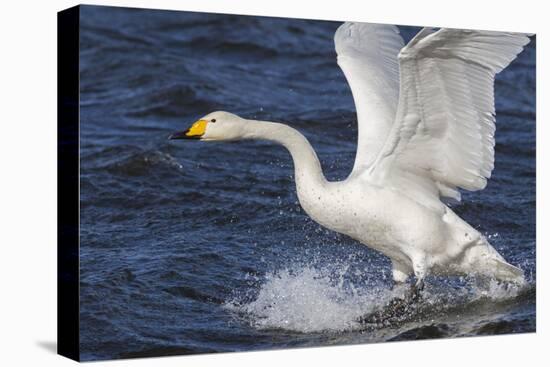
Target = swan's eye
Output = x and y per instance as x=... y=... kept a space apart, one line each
x=213 y=120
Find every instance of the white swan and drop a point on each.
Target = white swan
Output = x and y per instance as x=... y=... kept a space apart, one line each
x=426 y=128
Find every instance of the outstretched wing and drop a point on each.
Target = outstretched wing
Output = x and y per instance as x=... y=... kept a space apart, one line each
x=443 y=135
x=367 y=54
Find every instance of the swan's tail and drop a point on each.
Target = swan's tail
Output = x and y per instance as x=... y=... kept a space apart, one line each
x=486 y=261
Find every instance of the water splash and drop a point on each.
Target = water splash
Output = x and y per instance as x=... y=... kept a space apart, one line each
x=307 y=299
x=304 y=298
x=495 y=290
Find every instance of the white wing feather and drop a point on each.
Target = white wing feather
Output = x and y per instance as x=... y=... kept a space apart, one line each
x=367 y=54
x=443 y=135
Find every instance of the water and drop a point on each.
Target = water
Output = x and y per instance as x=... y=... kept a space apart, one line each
x=193 y=247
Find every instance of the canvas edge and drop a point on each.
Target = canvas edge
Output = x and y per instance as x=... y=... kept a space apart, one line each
x=68 y=195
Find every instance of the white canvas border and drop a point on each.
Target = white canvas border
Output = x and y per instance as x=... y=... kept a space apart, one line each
x=28 y=191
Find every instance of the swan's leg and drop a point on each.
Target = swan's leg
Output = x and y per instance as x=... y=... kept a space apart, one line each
x=420 y=268
x=400 y=273
x=419 y=285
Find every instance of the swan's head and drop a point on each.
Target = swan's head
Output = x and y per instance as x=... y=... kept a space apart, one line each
x=218 y=125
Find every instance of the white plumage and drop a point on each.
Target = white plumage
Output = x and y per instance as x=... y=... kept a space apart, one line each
x=445 y=122
x=426 y=129
x=367 y=54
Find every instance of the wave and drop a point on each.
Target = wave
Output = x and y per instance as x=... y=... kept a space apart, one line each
x=236 y=47
x=141 y=163
x=192 y=293
x=171 y=101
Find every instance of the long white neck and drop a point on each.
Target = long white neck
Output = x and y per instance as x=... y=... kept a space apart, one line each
x=307 y=169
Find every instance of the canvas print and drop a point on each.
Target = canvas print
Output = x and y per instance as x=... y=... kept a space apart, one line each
x=256 y=183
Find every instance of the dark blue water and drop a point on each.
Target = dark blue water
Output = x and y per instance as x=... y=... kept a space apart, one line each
x=193 y=247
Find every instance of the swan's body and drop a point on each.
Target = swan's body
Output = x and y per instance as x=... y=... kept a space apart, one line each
x=426 y=128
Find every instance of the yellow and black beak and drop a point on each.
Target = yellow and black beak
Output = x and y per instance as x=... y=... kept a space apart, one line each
x=196 y=131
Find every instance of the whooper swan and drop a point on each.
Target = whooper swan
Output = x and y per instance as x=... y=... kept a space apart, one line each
x=426 y=120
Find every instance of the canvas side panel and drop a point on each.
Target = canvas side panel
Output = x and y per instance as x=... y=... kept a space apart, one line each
x=68 y=182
